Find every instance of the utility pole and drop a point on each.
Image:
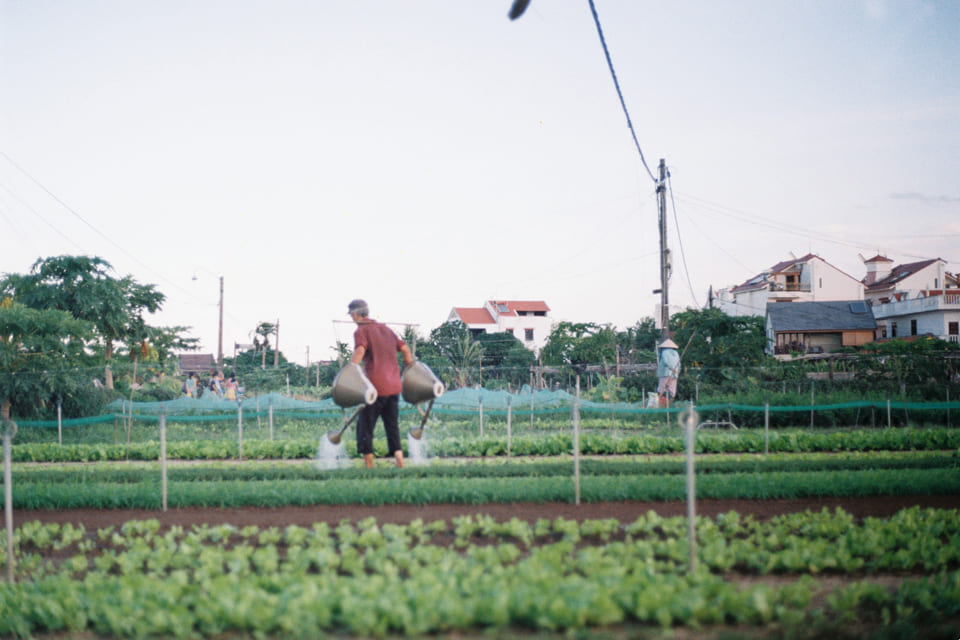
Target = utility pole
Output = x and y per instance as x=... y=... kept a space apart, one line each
x=276 y=351
x=664 y=253
x=220 y=339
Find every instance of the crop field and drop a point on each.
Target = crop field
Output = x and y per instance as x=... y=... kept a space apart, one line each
x=841 y=533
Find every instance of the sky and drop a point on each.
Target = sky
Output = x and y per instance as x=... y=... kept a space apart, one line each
x=426 y=155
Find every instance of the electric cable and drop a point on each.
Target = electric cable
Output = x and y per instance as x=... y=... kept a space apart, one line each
x=683 y=255
x=85 y=221
x=616 y=84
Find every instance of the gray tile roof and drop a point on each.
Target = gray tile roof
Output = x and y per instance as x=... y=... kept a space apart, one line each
x=842 y=315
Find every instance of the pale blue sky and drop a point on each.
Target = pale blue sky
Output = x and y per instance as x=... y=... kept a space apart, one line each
x=425 y=155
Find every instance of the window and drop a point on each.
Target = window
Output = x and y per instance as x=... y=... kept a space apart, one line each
x=528 y=335
x=893 y=329
x=502 y=308
x=913 y=327
x=953 y=328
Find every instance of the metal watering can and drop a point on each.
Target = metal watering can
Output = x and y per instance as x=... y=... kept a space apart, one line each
x=420 y=384
x=351 y=387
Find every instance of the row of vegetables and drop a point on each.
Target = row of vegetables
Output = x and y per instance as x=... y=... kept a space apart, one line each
x=742 y=441
x=269 y=484
x=373 y=579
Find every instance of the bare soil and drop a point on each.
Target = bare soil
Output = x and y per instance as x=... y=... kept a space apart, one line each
x=625 y=512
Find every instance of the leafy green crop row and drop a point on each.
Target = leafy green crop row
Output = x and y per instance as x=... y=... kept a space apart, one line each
x=370 y=579
x=933 y=439
x=510 y=467
x=394 y=489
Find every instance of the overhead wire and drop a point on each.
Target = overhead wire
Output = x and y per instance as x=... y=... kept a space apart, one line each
x=683 y=255
x=56 y=198
x=616 y=84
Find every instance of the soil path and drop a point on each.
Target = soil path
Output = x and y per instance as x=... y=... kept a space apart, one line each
x=625 y=512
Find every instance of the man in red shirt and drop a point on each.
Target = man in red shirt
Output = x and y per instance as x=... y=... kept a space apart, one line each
x=376 y=346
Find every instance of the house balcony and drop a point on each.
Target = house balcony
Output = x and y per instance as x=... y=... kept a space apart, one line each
x=790 y=286
x=928 y=304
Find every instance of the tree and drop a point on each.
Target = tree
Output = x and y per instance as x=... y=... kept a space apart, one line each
x=83 y=287
x=639 y=342
x=261 y=340
x=580 y=343
x=507 y=356
x=721 y=345
x=452 y=347
x=37 y=349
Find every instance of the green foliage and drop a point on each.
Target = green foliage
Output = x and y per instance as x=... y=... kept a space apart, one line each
x=37 y=349
x=580 y=343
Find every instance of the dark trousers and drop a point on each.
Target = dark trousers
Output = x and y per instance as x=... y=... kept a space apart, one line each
x=388 y=408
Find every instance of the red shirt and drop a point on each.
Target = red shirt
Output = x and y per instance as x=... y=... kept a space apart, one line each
x=380 y=360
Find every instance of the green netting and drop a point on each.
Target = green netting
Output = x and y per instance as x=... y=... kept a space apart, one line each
x=458 y=402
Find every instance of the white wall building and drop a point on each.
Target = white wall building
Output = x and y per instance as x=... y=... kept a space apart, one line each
x=527 y=320
x=913 y=299
x=806 y=279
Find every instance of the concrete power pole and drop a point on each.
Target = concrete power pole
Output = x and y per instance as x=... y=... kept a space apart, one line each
x=276 y=351
x=220 y=339
x=664 y=253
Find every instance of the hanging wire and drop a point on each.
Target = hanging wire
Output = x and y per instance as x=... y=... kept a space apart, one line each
x=606 y=52
x=683 y=255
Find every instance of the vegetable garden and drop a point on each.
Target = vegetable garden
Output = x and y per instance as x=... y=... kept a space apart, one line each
x=547 y=516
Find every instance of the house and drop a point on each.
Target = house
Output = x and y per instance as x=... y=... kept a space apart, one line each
x=196 y=363
x=917 y=298
x=818 y=327
x=887 y=283
x=527 y=320
x=806 y=279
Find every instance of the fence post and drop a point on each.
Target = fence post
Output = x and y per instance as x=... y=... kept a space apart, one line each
x=9 y=430
x=813 y=403
x=270 y=418
x=690 y=420
x=766 y=427
x=239 y=430
x=509 y=420
x=163 y=459
x=889 y=417
x=480 y=408
x=59 y=421
x=948 y=407
x=531 y=408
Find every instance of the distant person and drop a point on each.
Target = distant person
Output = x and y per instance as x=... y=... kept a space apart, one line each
x=214 y=384
x=668 y=369
x=375 y=346
x=230 y=388
x=190 y=386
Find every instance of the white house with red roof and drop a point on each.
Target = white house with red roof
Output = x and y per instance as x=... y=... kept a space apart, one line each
x=527 y=320
x=806 y=279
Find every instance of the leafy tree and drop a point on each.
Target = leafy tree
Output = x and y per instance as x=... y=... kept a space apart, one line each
x=38 y=349
x=639 y=342
x=507 y=356
x=721 y=345
x=83 y=287
x=580 y=343
x=261 y=340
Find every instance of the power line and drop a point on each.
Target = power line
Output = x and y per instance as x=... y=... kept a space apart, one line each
x=616 y=83
x=683 y=255
x=84 y=220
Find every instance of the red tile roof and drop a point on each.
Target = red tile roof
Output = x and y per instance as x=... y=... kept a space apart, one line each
x=473 y=315
x=517 y=306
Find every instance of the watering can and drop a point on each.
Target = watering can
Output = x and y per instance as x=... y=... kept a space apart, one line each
x=351 y=387
x=420 y=384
